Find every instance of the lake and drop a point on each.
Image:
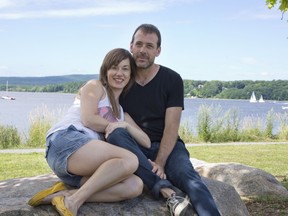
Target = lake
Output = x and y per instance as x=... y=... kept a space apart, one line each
x=19 y=112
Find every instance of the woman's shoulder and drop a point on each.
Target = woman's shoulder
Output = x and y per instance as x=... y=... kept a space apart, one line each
x=94 y=82
x=92 y=86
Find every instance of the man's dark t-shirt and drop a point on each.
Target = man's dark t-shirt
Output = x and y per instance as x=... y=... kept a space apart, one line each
x=147 y=104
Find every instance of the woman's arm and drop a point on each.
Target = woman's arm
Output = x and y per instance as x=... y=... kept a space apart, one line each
x=90 y=95
x=139 y=135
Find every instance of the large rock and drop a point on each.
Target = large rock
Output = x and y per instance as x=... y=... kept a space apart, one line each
x=16 y=192
x=248 y=181
x=226 y=197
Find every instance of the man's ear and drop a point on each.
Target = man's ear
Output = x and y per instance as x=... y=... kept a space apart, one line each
x=158 y=51
x=131 y=45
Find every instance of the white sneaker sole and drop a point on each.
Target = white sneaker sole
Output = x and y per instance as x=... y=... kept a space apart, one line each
x=179 y=209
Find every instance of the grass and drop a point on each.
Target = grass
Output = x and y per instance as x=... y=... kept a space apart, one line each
x=22 y=165
x=270 y=158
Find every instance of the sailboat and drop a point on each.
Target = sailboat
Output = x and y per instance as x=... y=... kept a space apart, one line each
x=253 y=98
x=6 y=97
x=261 y=100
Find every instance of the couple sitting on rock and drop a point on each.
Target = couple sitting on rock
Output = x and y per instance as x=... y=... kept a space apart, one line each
x=107 y=152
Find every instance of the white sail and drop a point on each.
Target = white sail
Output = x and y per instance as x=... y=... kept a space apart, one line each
x=253 y=98
x=261 y=100
x=6 y=97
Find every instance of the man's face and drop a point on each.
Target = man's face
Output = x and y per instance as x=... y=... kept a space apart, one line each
x=144 y=49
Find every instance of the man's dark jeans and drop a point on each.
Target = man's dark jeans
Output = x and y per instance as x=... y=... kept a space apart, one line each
x=179 y=170
x=120 y=137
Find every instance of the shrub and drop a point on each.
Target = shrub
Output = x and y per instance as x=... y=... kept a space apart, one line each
x=37 y=134
x=269 y=125
x=283 y=134
x=204 y=123
x=215 y=126
x=226 y=127
x=186 y=134
x=40 y=122
x=9 y=137
x=250 y=130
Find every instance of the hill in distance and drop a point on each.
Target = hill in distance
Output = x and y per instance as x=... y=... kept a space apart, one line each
x=47 y=80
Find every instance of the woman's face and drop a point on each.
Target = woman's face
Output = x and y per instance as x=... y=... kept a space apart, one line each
x=119 y=75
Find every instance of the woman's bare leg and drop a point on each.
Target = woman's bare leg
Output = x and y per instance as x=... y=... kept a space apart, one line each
x=106 y=165
x=127 y=189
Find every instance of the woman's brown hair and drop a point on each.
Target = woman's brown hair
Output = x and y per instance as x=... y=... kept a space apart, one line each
x=113 y=58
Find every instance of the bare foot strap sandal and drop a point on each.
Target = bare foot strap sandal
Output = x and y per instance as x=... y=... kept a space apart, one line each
x=37 y=198
x=58 y=203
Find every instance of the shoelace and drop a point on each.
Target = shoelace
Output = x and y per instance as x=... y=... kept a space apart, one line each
x=173 y=201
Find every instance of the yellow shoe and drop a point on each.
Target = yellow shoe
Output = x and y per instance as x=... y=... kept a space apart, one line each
x=38 y=197
x=58 y=203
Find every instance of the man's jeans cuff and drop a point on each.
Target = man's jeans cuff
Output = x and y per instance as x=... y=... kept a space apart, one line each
x=163 y=183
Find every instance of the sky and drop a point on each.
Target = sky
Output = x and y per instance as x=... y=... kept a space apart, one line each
x=201 y=39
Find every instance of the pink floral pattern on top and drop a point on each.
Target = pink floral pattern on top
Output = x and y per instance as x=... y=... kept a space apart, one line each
x=107 y=113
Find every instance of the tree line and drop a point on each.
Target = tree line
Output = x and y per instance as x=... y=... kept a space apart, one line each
x=270 y=90
x=69 y=87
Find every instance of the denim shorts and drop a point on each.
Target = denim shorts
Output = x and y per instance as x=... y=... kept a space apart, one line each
x=61 y=145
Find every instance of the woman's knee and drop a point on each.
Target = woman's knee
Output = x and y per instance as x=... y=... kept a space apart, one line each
x=130 y=162
x=135 y=185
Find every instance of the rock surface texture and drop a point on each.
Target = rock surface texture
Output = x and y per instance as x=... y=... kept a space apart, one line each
x=247 y=181
x=226 y=181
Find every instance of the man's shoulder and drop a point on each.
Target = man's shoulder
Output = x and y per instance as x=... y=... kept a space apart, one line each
x=169 y=72
x=165 y=68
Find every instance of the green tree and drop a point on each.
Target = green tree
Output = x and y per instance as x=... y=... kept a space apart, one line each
x=212 y=88
x=283 y=5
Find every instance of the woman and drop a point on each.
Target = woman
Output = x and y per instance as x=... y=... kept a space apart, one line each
x=77 y=152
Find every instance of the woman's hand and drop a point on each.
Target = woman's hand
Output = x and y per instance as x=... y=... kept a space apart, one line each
x=114 y=125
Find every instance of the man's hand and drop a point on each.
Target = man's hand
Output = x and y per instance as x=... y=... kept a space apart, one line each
x=158 y=170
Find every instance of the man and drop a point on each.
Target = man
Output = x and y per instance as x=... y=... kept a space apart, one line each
x=155 y=102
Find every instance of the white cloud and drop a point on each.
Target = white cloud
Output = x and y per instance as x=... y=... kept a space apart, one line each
x=3 y=67
x=262 y=13
x=248 y=60
x=4 y=70
x=266 y=74
x=274 y=75
x=266 y=16
x=231 y=67
x=79 y=8
x=73 y=12
x=6 y=4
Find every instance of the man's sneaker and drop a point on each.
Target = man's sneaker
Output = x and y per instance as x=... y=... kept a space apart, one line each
x=177 y=205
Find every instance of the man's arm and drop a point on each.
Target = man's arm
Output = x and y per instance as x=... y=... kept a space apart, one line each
x=168 y=141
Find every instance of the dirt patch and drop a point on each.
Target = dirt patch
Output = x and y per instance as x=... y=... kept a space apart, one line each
x=267 y=208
